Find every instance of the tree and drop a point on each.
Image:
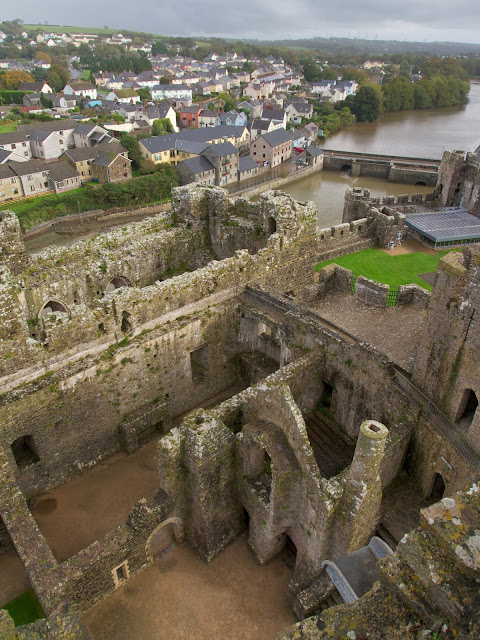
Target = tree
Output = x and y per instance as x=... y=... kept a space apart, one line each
x=41 y=55
x=62 y=72
x=158 y=48
x=365 y=105
x=166 y=80
x=131 y=145
x=211 y=106
x=13 y=79
x=161 y=126
x=144 y=93
x=53 y=80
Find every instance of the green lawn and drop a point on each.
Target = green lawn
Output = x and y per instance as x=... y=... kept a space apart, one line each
x=5 y=128
x=389 y=269
x=85 y=75
x=25 y=608
x=26 y=206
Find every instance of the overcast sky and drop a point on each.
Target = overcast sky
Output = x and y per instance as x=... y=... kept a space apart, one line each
x=441 y=20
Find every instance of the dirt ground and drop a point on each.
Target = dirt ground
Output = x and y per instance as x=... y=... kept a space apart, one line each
x=182 y=598
x=394 y=330
x=83 y=510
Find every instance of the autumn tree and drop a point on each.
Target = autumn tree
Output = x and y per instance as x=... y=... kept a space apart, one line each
x=13 y=79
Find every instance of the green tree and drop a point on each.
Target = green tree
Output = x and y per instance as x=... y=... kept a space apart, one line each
x=144 y=93
x=131 y=145
x=53 y=80
x=161 y=126
x=365 y=104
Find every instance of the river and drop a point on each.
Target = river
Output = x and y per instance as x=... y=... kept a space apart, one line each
x=421 y=134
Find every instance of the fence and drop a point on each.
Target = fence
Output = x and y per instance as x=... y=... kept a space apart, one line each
x=392 y=296
x=282 y=171
x=285 y=303
x=442 y=424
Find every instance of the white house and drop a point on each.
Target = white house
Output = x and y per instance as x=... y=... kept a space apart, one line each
x=171 y=91
x=81 y=89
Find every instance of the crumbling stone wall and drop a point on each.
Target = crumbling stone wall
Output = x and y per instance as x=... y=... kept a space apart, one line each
x=446 y=365
x=429 y=586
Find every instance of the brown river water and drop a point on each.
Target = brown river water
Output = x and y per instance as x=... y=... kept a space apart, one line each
x=420 y=134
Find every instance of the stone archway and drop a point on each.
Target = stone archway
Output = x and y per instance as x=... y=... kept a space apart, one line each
x=169 y=532
x=117 y=283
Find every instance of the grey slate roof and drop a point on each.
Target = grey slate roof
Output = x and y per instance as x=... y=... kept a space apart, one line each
x=31 y=166
x=273 y=114
x=245 y=163
x=12 y=137
x=51 y=125
x=261 y=125
x=40 y=135
x=59 y=171
x=84 y=129
x=314 y=151
x=279 y=136
x=223 y=149
x=199 y=164
x=6 y=172
x=156 y=144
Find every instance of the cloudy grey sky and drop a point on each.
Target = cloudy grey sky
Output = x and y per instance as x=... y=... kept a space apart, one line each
x=449 y=20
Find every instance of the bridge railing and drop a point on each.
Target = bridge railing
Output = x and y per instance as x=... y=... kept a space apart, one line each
x=442 y=424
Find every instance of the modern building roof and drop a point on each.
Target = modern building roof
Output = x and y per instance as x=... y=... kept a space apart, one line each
x=31 y=166
x=223 y=149
x=59 y=171
x=279 y=136
x=6 y=172
x=453 y=224
x=156 y=144
x=245 y=163
x=11 y=137
x=314 y=151
x=199 y=164
x=50 y=125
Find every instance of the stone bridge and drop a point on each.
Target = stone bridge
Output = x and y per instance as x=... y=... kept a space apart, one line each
x=394 y=168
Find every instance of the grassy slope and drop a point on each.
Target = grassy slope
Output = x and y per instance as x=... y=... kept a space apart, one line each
x=25 y=608
x=389 y=269
x=5 y=128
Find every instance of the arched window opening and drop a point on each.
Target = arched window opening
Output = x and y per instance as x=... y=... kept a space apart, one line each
x=347 y=168
x=52 y=306
x=117 y=283
x=24 y=452
x=467 y=408
x=272 y=225
x=420 y=183
x=438 y=488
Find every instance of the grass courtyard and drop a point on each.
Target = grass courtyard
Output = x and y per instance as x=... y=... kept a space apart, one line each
x=25 y=608
x=389 y=269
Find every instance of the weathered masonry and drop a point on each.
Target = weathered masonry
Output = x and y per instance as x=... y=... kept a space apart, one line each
x=394 y=168
x=106 y=343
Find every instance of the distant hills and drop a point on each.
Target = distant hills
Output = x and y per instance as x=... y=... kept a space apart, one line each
x=330 y=46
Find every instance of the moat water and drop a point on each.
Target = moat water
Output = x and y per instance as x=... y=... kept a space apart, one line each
x=421 y=134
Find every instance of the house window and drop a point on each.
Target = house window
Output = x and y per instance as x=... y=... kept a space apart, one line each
x=45 y=184
x=24 y=144
x=44 y=173
x=60 y=184
x=32 y=188
x=2 y=193
x=29 y=177
x=25 y=153
x=15 y=191
x=14 y=146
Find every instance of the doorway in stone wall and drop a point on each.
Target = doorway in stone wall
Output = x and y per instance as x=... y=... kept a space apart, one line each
x=467 y=408
x=438 y=488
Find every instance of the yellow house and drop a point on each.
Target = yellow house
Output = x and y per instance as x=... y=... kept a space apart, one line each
x=172 y=148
